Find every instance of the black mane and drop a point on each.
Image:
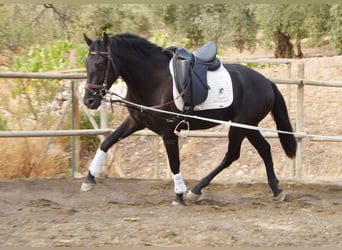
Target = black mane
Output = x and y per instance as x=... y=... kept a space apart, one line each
x=135 y=44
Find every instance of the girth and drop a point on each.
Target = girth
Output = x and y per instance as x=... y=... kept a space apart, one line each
x=190 y=71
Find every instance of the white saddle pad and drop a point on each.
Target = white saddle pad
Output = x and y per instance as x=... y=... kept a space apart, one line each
x=220 y=94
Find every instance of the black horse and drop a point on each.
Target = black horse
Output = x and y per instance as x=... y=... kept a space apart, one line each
x=144 y=67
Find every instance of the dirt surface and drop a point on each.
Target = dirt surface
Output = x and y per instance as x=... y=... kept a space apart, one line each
x=137 y=212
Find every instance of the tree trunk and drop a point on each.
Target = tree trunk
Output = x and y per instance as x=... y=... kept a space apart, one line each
x=299 y=49
x=283 y=45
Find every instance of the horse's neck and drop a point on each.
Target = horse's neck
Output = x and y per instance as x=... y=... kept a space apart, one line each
x=144 y=77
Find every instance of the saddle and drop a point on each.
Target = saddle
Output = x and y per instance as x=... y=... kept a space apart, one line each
x=190 y=72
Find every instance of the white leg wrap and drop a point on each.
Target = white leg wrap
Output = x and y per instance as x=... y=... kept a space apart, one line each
x=95 y=165
x=180 y=187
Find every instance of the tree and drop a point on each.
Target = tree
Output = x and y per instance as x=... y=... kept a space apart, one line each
x=243 y=26
x=188 y=22
x=336 y=26
x=285 y=25
x=227 y=24
x=24 y=25
x=115 y=18
x=317 y=22
x=280 y=23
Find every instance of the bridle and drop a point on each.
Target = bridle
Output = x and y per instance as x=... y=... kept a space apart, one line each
x=103 y=88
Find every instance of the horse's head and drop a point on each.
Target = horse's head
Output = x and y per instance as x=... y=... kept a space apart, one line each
x=101 y=71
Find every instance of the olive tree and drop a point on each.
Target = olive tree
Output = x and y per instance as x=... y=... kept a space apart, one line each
x=336 y=26
x=227 y=24
x=285 y=25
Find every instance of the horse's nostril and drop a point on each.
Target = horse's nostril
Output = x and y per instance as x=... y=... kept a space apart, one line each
x=90 y=101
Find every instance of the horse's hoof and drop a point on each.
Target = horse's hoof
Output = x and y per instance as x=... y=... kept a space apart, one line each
x=192 y=196
x=178 y=203
x=179 y=200
x=87 y=186
x=281 y=196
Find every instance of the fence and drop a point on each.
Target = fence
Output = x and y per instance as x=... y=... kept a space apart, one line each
x=296 y=165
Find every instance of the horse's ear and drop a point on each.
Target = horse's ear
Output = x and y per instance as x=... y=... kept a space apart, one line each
x=105 y=39
x=87 y=39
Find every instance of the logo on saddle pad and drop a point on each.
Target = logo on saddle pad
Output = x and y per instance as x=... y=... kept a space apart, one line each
x=200 y=79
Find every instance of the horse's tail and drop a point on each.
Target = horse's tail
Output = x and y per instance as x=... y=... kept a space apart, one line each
x=282 y=120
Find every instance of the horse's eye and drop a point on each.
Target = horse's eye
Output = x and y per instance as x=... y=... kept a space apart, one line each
x=99 y=65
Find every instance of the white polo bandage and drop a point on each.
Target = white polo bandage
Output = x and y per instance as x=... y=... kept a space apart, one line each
x=180 y=187
x=95 y=165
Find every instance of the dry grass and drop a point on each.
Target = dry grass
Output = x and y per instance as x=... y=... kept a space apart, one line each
x=23 y=157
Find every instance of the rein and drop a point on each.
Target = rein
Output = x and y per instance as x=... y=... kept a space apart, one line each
x=142 y=108
x=122 y=99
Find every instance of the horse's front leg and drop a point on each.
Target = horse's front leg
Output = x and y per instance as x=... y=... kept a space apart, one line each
x=172 y=149
x=128 y=127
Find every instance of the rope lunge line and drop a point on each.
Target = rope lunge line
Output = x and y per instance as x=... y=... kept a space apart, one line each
x=177 y=132
x=110 y=97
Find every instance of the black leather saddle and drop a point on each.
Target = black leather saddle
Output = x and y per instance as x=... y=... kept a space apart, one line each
x=190 y=72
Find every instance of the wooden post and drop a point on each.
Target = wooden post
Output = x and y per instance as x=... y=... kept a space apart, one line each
x=288 y=88
x=103 y=115
x=103 y=125
x=75 y=124
x=299 y=120
x=156 y=157
x=292 y=162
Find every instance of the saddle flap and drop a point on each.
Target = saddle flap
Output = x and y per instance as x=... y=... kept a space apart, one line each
x=182 y=72
x=191 y=82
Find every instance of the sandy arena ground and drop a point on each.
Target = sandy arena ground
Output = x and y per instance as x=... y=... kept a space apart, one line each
x=137 y=212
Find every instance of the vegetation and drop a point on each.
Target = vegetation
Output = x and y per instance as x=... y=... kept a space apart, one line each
x=282 y=26
x=3 y=124
x=336 y=26
x=37 y=94
x=285 y=25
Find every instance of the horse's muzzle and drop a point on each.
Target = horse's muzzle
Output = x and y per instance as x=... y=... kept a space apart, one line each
x=92 y=102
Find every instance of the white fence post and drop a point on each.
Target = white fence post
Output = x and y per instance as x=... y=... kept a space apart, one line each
x=103 y=125
x=299 y=121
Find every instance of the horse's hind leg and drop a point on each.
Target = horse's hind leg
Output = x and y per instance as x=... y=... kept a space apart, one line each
x=236 y=136
x=264 y=150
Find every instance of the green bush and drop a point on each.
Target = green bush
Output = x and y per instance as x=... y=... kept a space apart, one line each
x=257 y=65
x=37 y=93
x=3 y=124
x=55 y=56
